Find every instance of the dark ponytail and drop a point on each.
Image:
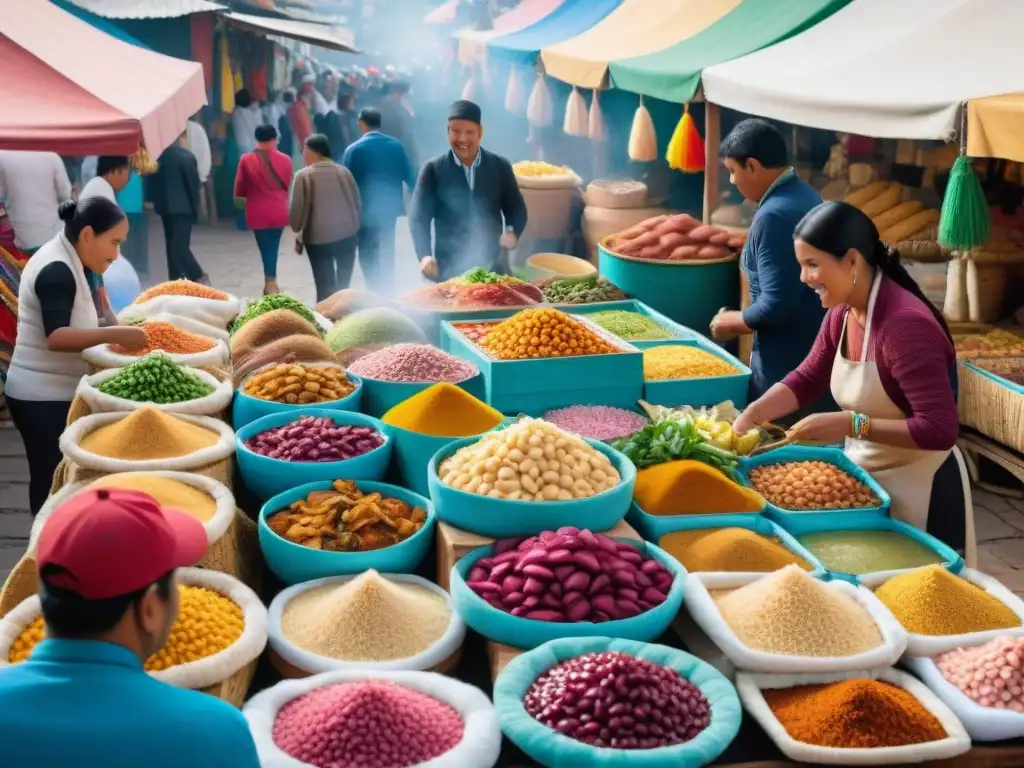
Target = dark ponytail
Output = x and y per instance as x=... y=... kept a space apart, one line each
x=836 y=228
x=96 y=212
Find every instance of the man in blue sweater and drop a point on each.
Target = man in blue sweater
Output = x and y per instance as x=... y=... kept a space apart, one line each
x=784 y=314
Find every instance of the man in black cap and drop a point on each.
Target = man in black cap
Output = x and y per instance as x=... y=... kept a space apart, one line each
x=471 y=197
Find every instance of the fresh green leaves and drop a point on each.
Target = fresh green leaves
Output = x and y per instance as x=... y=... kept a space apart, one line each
x=272 y=302
x=670 y=440
x=482 y=276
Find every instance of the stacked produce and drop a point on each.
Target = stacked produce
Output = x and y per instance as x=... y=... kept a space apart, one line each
x=207 y=623
x=675 y=238
x=716 y=422
x=443 y=410
x=631 y=326
x=309 y=438
x=414 y=363
x=988 y=674
x=580 y=290
x=570 y=575
x=543 y=333
x=148 y=433
x=737 y=550
x=294 y=383
x=992 y=344
x=693 y=487
x=347 y=520
x=371 y=329
x=531 y=460
x=169 y=493
x=181 y=288
x=288 y=349
x=851 y=714
x=932 y=601
x=895 y=219
x=616 y=701
x=477 y=289
x=155 y=379
x=596 y=422
x=681 y=435
x=367 y=723
x=800 y=485
x=383 y=620
x=868 y=551
x=791 y=613
x=166 y=337
x=268 y=304
x=677 y=361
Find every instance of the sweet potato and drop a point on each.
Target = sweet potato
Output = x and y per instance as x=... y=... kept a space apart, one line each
x=635 y=231
x=628 y=248
x=652 y=252
x=702 y=233
x=737 y=241
x=713 y=252
x=684 y=252
x=673 y=240
x=651 y=223
x=613 y=243
x=719 y=238
x=646 y=239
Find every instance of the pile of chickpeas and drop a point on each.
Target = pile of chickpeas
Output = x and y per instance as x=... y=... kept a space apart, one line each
x=800 y=485
x=542 y=333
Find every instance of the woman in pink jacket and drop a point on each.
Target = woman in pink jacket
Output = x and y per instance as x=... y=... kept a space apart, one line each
x=264 y=176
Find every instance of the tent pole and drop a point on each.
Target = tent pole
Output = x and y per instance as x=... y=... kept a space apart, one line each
x=712 y=138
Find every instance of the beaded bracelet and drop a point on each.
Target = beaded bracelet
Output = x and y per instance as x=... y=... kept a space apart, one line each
x=861 y=426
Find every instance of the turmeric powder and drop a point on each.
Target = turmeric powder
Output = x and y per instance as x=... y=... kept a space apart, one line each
x=169 y=493
x=688 y=487
x=443 y=410
x=148 y=433
x=734 y=550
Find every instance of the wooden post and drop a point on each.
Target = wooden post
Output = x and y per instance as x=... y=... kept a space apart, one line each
x=712 y=138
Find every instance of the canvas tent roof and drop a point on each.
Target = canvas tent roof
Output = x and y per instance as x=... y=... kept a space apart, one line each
x=473 y=43
x=567 y=20
x=994 y=127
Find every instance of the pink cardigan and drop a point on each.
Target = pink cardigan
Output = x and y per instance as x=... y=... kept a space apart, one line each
x=266 y=201
x=915 y=360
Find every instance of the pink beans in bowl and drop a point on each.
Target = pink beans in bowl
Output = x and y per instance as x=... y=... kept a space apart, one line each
x=312 y=438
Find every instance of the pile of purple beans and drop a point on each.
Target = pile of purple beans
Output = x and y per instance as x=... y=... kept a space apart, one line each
x=569 y=575
x=315 y=439
x=617 y=701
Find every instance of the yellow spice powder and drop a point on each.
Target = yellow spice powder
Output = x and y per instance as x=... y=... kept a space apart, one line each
x=169 y=493
x=148 y=433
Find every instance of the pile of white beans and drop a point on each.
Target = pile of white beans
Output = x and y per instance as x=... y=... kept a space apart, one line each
x=532 y=460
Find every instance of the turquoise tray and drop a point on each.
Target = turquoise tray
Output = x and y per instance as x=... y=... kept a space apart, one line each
x=502 y=627
x=690 y=294
x=653 y=527
x=381 y=396
x=755 y=523
x=431 y=322
x=703 y=391
x=632 y=305
x=528 y=386
x=836 y=520
x=809 y=453
x=1018 y=388
x=550 y=748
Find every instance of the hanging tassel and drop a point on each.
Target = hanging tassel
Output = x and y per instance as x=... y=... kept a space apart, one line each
x=515 y=99
x=966 y=220
x=686 y=148
x=575 y=123
x=595 y=123
x=538 y=108
x=643 y=141
x=141 y=162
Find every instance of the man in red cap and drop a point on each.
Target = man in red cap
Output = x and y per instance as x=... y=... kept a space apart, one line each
x=106 y=563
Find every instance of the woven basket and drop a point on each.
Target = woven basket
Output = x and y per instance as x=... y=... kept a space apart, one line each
x=990 y=407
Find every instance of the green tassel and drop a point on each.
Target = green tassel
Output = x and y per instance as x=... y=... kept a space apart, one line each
x=966 y=221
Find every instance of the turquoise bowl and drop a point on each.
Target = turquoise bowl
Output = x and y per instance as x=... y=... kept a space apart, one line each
x=267 y=477
x=380 y=396
x=502 y=627
x=502 y=518
x=292 y=563
x=246 y=409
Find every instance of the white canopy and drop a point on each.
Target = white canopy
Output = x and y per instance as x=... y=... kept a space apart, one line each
x=882 y=68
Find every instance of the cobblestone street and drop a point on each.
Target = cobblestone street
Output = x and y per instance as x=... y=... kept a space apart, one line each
x=233 y=263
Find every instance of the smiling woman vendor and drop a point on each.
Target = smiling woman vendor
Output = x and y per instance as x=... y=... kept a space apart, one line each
x=887 y=356
x=58 y=317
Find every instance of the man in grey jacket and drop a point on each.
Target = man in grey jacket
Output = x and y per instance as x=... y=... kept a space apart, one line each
x=397 y=119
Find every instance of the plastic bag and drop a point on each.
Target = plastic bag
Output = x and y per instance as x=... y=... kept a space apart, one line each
x=443 y=649
x=553 y=749
x=705 y=613
x=71 y=447
x=209 y=405
x=957 y=742
x=480 y=746
x=103 y=357
x=215 y=312
x=194 y=675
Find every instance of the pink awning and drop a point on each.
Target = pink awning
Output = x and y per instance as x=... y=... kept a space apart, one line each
x=443 y=14
x=69 y=88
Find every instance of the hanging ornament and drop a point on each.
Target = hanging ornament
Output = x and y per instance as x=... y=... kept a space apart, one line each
x=575 y=123
x=643 y=141
x=966 y=220
x=595 y=123
x=538 y=108
x=515 y=99
x=686 y=148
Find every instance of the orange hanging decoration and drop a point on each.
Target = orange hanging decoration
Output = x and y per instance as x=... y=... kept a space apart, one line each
x=686 y=149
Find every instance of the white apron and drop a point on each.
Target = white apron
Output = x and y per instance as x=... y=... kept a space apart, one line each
x=905 y=473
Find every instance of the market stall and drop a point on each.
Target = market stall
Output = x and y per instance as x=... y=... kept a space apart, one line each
x=473 y=43
x=570 y=18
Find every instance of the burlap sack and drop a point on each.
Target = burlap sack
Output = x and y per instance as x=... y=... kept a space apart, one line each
x=102 y=357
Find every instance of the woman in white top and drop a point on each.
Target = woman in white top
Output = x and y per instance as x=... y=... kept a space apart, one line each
x=57 y=319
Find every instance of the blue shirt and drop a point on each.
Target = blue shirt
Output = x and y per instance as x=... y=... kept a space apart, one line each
x=380 y=166
x=469 y=170
x=87 y=704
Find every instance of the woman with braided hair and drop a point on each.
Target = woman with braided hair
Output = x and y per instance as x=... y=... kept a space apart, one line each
x=886 y=355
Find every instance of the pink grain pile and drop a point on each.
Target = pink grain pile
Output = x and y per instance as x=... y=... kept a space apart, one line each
x=597 y=422
x=989 y=674
x=366 y=724
x=413 y=363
